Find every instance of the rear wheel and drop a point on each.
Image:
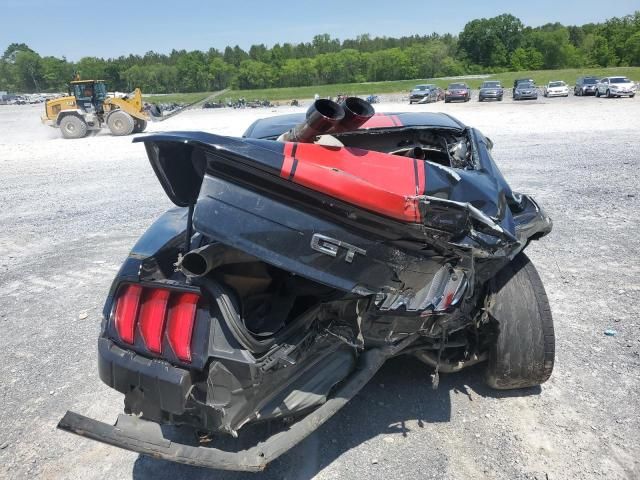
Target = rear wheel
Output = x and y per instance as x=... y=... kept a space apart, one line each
x=140 y=125
x=120 y=123
x=524 y=351
x=73 y=127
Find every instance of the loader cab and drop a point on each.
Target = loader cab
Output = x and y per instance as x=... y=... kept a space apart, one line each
x=89 y=94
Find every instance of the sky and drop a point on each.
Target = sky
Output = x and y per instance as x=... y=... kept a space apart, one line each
x=115 y=27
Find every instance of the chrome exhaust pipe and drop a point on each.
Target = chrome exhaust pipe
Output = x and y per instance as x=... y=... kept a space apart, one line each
x=322 y=116
x=327 y=117
x=356 y=113
x=201 y=261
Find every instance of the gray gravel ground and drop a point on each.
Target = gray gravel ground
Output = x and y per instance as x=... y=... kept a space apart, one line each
x=72 y=209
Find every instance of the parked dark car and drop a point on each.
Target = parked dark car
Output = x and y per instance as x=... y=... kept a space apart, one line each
x=585 y=86
x=519 y=81
x=491 y=90
x=292 y=269
x=525 y=91
x=457 y=91
x=423 y=94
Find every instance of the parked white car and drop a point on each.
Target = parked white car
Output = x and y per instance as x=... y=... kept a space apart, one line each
x=556 y=88
x=615 y=87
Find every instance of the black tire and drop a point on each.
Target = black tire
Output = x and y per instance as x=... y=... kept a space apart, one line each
x=597 y=93
x=499 y=99
x=120 y=123
x=73 y=127
x=139 y=125
x=446 y=100
x=632 y=95
x=608 y=93
x=524 y=351
x=410 y=102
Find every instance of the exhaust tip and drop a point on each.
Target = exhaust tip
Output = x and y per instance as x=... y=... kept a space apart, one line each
x=328 y=108
x=359 y=107
x=194 y=265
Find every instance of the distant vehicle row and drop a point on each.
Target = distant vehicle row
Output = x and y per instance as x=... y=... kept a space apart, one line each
x=525 y=89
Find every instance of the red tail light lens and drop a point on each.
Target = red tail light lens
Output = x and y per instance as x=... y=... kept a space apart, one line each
x=180 y=326
x=155 y=311
x=126 y=312
x=152 y=318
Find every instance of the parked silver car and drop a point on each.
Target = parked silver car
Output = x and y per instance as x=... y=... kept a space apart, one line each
x=615 y=87
x=525 y=91
x=491 y=89
x=424 y=94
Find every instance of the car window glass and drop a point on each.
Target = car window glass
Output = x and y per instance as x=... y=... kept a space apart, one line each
x=619 y=80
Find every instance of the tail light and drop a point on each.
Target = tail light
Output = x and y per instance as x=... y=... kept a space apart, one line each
x=156 y=312
x=181 y=319
x=127 y=311
x=152 y=318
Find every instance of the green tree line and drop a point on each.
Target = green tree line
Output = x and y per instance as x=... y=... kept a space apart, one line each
x=486 y=45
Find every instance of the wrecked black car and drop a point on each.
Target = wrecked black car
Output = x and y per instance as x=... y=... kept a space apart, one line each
x=299 y=259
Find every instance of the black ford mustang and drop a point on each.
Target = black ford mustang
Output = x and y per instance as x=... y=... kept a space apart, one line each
x=302 y=256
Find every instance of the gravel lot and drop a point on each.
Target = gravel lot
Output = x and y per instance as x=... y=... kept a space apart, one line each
x=72 y=209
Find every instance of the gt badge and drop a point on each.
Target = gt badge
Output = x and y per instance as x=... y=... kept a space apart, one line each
x=330 y=246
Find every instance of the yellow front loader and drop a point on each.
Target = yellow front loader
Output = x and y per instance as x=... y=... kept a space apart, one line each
x=89 y=107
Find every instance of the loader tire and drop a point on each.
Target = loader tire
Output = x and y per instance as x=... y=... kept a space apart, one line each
x=140 y=125
x=120 y=123
x=524 y=350
x=73 y=127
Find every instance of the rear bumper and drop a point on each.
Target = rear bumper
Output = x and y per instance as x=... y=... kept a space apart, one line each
x=142 y=436
x=163 y=384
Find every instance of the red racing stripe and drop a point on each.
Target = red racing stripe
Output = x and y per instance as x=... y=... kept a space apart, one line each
x=379 y=120
x=287 y=164
x=383 y=183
